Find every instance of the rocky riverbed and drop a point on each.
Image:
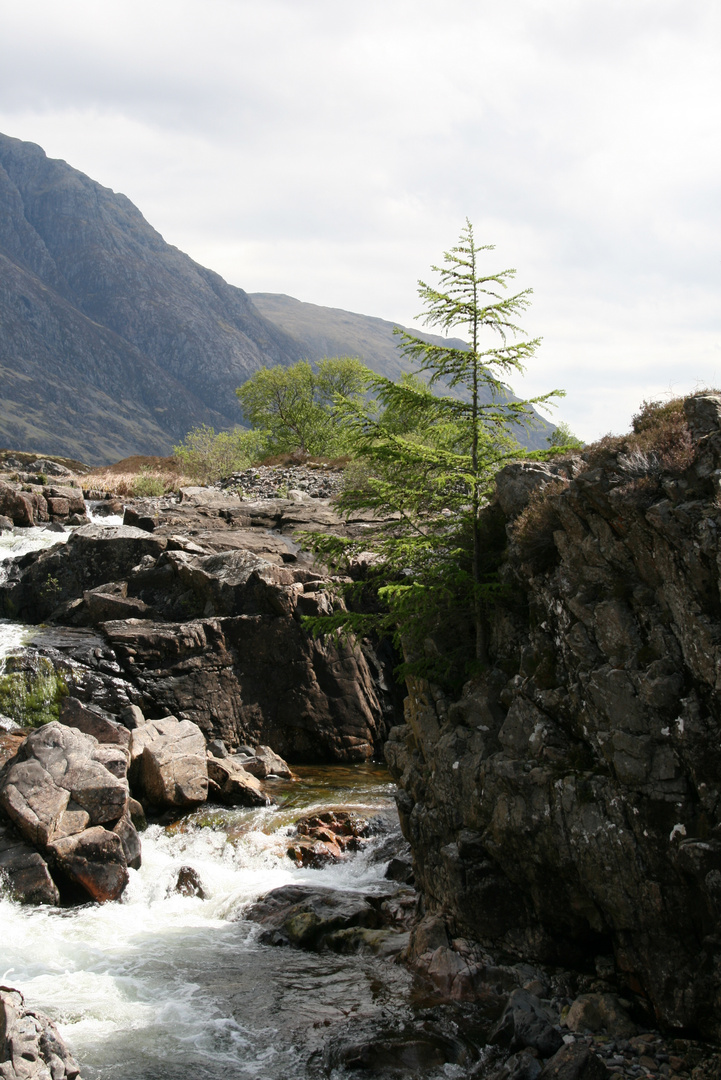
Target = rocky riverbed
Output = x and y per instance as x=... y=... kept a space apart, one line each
x=554 y=916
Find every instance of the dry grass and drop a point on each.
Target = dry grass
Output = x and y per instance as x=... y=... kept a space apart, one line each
x=145 y=482
x=534 y=527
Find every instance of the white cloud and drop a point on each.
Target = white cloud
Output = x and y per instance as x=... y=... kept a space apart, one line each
x=332 y=152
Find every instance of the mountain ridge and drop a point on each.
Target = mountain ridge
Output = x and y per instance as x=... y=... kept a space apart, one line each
x=114 y=342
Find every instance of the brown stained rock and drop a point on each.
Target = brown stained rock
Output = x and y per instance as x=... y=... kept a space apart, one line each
x=31 y=1047
x=16 y=505
x=95 y=860
x=172 y=762
x=327 y=837
x=235 y=786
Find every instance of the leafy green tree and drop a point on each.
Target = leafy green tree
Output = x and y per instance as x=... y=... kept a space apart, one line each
x=431 y=468
x=296 y=405
x=562 y=438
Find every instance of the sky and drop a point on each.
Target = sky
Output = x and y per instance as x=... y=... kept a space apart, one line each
x=332 y=151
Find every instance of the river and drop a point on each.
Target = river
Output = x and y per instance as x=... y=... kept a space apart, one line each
x=161 y=986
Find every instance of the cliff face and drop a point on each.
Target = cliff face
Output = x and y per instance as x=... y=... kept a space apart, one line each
x=568 y=805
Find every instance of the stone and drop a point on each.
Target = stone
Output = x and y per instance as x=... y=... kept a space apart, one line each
x=93 y=859
x=304 y=916
x=596 y=1012
x=233 y=786
x=23 y=871
x=576 y=1061
x=93 y=721
x=188 y=883
x=267 y=763
x=172 y=769
x=31 y=1047
x=515 y=483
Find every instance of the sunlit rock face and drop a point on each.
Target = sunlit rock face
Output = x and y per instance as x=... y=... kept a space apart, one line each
x=567 y=806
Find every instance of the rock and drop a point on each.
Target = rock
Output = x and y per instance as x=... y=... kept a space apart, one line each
x=188 y=883
x=93 y=721
x=168 y=759
x=217 y=748
x=327 y=837
x=569 y=803
x=50 y=468
x=95 y=860
x=16 y=505
x=305 y=917
x=5 y=522
x=400 y=870
x=417 y=1049
x=575 y=1061
x=596 y=1012
x=63 y=792
x=525 y=1022
x=267 y=763
x=132 y=717
x=56 y=787
x=23 y=871
x=30 y=1045
x=515 y=483
x=233 y=785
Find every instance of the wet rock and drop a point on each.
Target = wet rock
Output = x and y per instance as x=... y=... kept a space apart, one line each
x=526 y=1022
x=328 y=837
x=305 y=917
x=400 y=870
x=30 y=1045
x=94 y=860
x=413 y=1051
x=233 y=786
x=188 y=883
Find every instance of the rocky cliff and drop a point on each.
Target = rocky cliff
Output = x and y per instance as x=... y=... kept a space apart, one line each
x=567 y=807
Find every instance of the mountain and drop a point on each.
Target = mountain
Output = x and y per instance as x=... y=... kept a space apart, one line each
x=113 y=342
x=333 y=332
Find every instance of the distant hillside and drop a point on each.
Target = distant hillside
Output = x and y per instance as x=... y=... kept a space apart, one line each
x=333 y=332
x=111 y=341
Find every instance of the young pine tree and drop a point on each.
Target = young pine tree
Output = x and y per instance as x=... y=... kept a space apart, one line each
x=427 y=477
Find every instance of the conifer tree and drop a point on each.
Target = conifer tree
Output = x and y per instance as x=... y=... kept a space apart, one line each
x=429 y=476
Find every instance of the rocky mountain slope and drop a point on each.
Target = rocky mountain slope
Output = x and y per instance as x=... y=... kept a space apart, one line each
x=113 y=342
x=567 y=808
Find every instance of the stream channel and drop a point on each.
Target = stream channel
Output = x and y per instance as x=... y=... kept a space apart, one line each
x=161 y=986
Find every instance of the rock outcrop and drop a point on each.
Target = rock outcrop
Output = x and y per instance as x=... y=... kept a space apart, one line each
x=202 y=617
x=31 y=1047
x=568 y=806
x=68 y=797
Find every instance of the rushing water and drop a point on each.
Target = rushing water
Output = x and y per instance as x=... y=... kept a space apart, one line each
x=161 y=986
x=165 y=986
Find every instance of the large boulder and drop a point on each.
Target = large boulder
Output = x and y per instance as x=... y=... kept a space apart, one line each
x=65 y=800
x=168 y=762
x=31 y=1047
x=232 y=785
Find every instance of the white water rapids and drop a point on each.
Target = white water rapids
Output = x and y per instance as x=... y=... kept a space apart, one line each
x=161 y=986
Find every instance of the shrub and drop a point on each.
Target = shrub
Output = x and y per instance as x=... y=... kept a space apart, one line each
x=147 y=485
x=534 y=527
x=208 y=456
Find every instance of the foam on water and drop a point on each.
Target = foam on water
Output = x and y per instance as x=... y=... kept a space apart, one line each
x=164 y=985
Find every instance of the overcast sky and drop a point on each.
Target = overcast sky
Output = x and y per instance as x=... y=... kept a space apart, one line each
x=332 y=151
